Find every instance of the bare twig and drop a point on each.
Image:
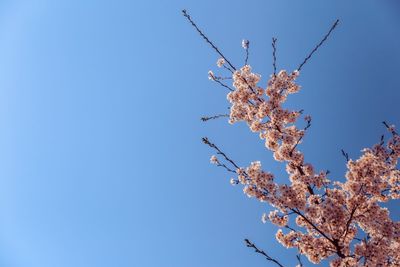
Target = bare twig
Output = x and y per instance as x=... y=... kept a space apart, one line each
x=186 y=15
x=290 y=228
x=222 y=78
x=219 y=164
x=219 y=152
x=345 y=154
x=299 y=260
x=189 y=18
x=227 y=68
x=318 y=45
x=214 y=117
x=274 y=54
x=222 y=84
x=390 y=128
x=382 y=140
x=257 y=250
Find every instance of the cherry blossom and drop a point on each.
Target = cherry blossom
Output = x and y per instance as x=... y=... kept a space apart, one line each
x=341 y=222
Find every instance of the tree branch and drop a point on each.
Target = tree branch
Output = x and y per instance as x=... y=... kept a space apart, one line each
x=299 y=260
x=259 y=251
x=345 y=154
x=318 y=45
x=212 y=77
x=301 y=137
x=219 y=152
x=214 y=117
x=334 y=242
x=274 y=54
x=186 y=15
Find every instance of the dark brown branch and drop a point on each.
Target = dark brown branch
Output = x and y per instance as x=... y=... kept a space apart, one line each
x=299 y=260
x=225 y=167
x=352 y=215
x=214 y=117
x=224 y=85
x=318 y=45
x=222 y=78
x=249 y=244
x=345 y=154
x=219 y=152
x=382 y=140
x=394 y=133
x=253 y=91
x=334 y=242
x=389 y=128
x=290 y=228
x=274 y=54
x=301 y=137
x=186 y=15
x=217 y=80
x=227 y=68
x=350 y=220
x=299 y=168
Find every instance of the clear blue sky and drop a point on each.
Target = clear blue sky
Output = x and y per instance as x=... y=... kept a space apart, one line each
x=101 y=162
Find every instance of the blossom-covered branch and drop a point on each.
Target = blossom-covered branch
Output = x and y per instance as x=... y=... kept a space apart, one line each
x=331 y=217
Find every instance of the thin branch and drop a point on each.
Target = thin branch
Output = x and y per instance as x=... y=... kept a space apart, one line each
x=214 y=117
x=301 y=137
x=222 y=78
x=257 y=250
x=335 y=242
x=219 y=152
x=274 y=54
x=231 y=68
x=382 y=140
x=290 y=228
x=345 y=154
x=318 y=45
x=223 y=85
x=186 y=15
x=299 y=260
x=225 y=167
x=390 y=128
x=227 y=68
x=189 y=18
x=350 y=220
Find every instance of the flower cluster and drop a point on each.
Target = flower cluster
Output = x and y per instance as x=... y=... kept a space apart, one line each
x=220 y=62
x=340 y=221
x=214 y=159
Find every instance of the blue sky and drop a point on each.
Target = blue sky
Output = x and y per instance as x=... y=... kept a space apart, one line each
x=101 y=162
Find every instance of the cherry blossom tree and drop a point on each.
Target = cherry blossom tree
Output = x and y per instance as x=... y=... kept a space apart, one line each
x=342 y=222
